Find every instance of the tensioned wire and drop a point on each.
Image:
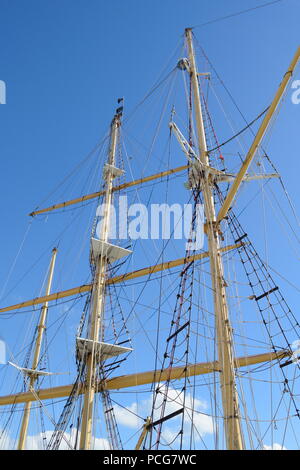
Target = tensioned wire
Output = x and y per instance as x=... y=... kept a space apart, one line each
x=150 y=152
x=273 y=345
x=28 y=332
x=247 y=123
x=213 y=137
x=93 y=151
x=238 y=13
x=271 y=369
x=273 y=166
x=101 y=143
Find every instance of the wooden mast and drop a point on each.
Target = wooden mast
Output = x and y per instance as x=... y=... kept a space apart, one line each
x=226 y=362
x=98 y=296
x=118 y=279
x=233 y=431
x=143 y=378
x=258 y=137
x=36 y=357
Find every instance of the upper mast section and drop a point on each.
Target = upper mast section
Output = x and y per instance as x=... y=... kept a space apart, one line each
x=197 y=100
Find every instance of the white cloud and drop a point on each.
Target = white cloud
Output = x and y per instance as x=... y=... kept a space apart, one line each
x=202 y=423
x=133 y=417
x=274 y=447
x=129 y=416
x=6 y=442
x=36 y=442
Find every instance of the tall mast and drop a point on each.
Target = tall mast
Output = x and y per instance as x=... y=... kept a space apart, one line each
x=37 y=351
x=98 y=296
x=233 y=431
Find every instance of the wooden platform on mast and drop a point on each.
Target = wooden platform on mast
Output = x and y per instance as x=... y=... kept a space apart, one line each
x=107 y=250
x=113 y=170
x=31 y=372
x=103 y=351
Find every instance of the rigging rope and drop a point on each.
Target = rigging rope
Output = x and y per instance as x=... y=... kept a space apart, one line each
x=241 y=12
x=240 y=132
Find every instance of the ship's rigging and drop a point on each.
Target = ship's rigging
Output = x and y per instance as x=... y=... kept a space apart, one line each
x=196 y=303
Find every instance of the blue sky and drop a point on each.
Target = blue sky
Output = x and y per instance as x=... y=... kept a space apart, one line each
x=66 y=62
